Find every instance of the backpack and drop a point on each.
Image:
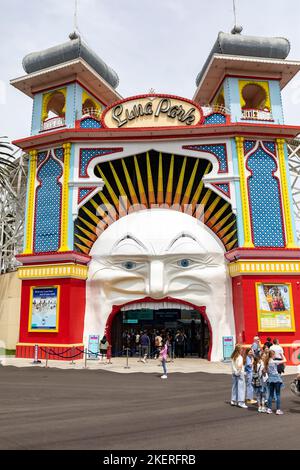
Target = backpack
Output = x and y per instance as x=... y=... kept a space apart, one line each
x=179 y=339
x=256 y=380
x=280 y=368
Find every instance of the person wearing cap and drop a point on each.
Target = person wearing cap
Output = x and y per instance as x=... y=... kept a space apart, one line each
x=256 y=347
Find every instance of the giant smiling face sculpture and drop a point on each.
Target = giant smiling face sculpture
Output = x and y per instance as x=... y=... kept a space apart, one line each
x=159 y=253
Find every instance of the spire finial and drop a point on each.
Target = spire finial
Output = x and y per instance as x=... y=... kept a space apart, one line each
x=237 y=29
x=75 y=33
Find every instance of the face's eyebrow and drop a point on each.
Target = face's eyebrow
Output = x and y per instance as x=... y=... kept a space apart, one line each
x=183 y=235
x=128 y=236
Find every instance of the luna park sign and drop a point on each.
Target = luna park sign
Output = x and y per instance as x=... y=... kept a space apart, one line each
x=152 y=111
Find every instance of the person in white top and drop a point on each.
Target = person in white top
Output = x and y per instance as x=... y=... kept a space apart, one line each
x=279 y=355
x=277 y=349
x=238 y=378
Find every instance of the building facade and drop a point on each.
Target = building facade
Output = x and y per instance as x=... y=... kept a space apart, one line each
x=157 y=211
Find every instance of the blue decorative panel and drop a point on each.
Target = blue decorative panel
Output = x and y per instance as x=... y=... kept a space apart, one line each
x=41 y=156
x=86 y=155
x=249 y=145
x=265 y=201
x=223 y=187
x=90 y=123
x=218 y=150
x=83 y=193
x=59 y=153
x=48 y=203
x=270 y=146
x=215 y=118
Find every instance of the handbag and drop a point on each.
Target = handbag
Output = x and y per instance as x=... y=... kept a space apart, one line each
x=280 y=368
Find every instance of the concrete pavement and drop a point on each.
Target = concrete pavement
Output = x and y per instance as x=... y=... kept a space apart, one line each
x=118 y=364
x=95 y=409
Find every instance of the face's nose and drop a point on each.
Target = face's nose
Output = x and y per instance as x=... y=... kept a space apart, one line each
x=157 y=286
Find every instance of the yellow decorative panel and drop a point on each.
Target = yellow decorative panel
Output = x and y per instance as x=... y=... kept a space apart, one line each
x=71 y=270
x=248 y=243
x=30 y=203
x=65 y=200
x=264 y=267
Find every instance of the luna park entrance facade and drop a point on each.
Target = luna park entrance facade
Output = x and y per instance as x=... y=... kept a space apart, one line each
x=186 y=329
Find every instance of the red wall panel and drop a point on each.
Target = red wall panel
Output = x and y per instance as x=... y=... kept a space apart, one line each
x=245 y=310
x=71 y=312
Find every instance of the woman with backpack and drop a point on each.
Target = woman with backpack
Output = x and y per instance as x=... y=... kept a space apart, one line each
x=103 y=346
x=179 y=344
x=238 y=378
x=274 y=382
x=259 y=380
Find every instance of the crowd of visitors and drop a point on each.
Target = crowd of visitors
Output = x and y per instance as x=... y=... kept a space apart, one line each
x=257 y=375
x=148 y=343
x=256 y=371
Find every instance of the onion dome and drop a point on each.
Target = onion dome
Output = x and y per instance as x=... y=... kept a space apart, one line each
x=235 y=44
x=71 y=50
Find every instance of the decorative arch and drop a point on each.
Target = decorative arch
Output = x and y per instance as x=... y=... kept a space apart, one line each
x=265 y=198
x=58 y=97
x=202 y=311
x=48 y=204
x=90 y=105
x=254 y=95
x=150 y=180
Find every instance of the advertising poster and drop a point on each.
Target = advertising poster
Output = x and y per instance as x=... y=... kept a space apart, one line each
x=228 y=347
x=275 y=307
x=93 y=348
x=44 y=309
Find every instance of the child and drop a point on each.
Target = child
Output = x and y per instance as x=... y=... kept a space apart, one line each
x=163 y=357
x=259 y=380
x=248 y=361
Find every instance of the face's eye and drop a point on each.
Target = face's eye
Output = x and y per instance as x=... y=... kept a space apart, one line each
x=129 y=265
x=184 y=263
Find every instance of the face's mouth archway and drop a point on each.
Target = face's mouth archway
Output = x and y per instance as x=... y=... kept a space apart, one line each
x=160 y=255
x=166 y=303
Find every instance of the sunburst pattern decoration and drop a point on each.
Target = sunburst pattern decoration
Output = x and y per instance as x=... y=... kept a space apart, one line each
x=150 y=180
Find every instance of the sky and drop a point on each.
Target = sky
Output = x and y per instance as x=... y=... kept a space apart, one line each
x=159 y=44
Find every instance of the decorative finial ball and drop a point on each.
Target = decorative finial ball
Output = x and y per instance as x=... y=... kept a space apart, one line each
x=73 y=35
x=237 y=29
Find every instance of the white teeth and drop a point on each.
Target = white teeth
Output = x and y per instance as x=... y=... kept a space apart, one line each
x=156 y=306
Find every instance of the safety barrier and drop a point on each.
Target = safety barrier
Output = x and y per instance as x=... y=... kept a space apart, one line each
x=85 y=354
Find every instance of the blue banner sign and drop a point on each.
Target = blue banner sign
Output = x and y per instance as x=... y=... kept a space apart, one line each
x=93 y=348
x=228 y=347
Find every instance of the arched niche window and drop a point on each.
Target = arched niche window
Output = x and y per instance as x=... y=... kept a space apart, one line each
x=54 y=105
x=255 y=100
x=90 y=106
x=220 y=100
